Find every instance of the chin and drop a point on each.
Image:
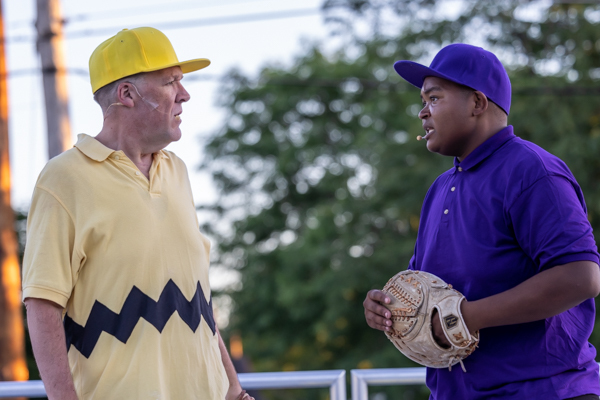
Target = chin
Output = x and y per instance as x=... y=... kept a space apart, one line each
x=433 y=148
x=175 y=136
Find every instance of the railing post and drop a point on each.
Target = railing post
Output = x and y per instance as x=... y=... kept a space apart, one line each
x=358 y=386
x=362 y=378
x=337 y=390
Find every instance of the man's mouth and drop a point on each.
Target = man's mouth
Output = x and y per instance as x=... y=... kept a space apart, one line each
x=428 y=133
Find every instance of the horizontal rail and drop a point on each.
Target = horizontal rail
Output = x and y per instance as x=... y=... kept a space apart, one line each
x=335 y=380
x=33 y=389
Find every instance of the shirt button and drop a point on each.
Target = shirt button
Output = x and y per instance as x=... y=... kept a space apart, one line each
x=137 y=173
x=446 y=211
x=453 y=189
x=116 y=157
x=459 y=169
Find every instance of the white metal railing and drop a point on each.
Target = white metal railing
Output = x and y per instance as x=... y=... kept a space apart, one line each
x=363 y=378
x=31 y=389
x=335 y=380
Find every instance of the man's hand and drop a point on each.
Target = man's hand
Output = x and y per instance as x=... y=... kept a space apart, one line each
x=377 y=316
x=437 y=330
x=238 y=395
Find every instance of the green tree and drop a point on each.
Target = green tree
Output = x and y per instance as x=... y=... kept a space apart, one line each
x=322 y=181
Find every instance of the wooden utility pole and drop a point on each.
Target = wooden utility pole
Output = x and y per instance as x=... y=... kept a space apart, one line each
x=12 y=337
x=50 y=45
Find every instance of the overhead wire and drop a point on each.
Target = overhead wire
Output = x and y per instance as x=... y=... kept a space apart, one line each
x=180 y=24
x=148 y=9
x=181 y=6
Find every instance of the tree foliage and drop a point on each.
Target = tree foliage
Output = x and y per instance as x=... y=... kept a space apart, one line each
x=322 y=181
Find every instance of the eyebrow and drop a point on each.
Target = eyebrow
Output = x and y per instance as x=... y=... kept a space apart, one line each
x=431 y=89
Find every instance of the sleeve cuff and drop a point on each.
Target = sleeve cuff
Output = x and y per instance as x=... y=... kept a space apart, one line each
x=569 y=258
x=46 y=294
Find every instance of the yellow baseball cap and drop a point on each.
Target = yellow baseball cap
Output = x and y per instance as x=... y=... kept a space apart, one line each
x=132 y=51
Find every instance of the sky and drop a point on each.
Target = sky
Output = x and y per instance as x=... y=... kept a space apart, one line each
x=243 y=34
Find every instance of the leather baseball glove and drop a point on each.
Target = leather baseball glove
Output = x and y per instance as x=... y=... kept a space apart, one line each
x=414 y=295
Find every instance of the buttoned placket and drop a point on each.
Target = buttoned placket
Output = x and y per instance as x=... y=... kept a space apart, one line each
x=449 y=199
x=152 y=185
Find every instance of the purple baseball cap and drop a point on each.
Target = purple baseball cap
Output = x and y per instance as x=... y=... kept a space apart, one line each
x=466 y=65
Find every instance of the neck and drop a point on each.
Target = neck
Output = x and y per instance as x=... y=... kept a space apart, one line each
x=482 y=133
x=124 y=137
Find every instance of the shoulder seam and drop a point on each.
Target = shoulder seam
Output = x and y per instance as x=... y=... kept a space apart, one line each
x=541 y=164
x=547 y=176
x=51 y=193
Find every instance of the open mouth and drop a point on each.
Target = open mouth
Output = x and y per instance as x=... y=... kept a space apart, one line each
x=428 y=133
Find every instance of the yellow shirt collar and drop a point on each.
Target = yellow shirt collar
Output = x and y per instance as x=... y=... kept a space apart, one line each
x=92 y=148
x=97 y=151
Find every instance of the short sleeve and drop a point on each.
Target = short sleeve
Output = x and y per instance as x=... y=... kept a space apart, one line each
x=550 y=223
x=47 y=264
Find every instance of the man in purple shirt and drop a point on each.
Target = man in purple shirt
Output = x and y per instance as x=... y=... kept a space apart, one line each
x=507 y=227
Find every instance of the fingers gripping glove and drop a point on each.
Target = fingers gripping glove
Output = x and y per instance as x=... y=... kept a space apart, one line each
x=414 y=296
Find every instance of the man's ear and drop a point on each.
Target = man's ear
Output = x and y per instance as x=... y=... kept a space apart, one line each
x=125 y=95
x=481 y=103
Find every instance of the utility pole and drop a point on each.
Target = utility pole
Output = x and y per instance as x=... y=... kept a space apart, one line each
x=12 y=337
x=50 y=45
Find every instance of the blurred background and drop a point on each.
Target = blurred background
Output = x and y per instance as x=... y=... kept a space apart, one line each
x=300 y=141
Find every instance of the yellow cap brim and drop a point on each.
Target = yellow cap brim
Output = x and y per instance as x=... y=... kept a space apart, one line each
x=186 y=66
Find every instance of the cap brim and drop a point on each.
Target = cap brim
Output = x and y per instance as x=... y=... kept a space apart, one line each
x=186 y=66
x=415 y=74
x=194 y=65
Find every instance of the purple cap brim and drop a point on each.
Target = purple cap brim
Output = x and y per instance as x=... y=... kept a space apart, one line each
x=415 y=73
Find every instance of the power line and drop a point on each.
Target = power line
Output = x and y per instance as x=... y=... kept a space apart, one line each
x=183 y=24
x=190 y=5
x=137 y=11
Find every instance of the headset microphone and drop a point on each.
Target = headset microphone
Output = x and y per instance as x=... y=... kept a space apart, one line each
x=151 y=103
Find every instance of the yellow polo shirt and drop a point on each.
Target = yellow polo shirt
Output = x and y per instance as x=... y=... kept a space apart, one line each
x=125 y=257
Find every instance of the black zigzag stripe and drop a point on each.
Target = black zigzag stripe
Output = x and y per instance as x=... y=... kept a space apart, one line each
x=138 y=305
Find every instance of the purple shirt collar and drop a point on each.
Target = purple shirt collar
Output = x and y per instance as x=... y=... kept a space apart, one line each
x=485 y=149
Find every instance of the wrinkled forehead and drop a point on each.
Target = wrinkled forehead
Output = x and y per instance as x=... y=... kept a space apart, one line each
x=165 y=74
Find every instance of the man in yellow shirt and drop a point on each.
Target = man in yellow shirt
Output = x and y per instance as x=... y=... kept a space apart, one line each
x=115 y=265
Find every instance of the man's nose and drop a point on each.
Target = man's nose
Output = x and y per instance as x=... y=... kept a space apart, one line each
x=424 y=113
x=183 y=94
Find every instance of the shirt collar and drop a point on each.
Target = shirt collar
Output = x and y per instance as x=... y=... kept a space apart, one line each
x=99 y=152
x=92 y=148
x=485 y=149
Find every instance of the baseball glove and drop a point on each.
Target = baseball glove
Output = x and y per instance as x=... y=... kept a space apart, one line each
x=414 y=295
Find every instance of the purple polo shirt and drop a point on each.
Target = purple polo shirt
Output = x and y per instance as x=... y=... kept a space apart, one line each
x=508 y=211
